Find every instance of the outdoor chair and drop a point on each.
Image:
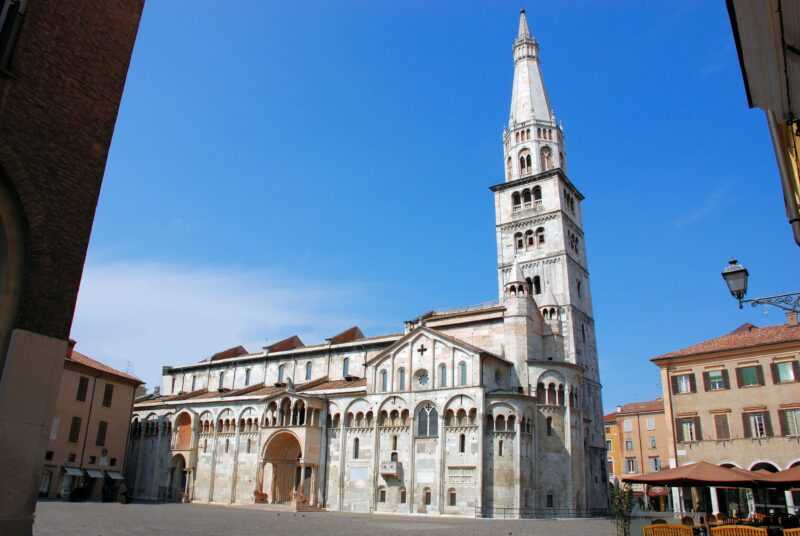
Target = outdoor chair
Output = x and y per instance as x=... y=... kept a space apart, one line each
x=738 y=530
x=667 y=530
x=791 y=532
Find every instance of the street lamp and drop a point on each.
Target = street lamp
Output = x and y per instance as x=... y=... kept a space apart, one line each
x=735 y=276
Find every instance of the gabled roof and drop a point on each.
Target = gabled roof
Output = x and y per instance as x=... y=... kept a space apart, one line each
x=745 y=336
x=236 y=351
x=434 y=333
x=348 y=335
x=289 y=343
x=86 y=361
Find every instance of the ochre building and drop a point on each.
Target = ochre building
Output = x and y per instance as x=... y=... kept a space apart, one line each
x=638 y=442
x=735 y=401
x=482 y=411
x=88 y=439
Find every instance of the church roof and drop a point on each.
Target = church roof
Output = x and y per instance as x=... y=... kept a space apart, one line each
x=236 y=351
x=289 y=343
x=348 y=335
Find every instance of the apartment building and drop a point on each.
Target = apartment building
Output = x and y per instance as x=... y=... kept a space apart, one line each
x=85 y=456
x=637 y=441
x=735 y=401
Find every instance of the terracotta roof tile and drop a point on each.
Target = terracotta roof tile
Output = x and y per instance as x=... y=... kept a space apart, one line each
x=649 y=406
x=236 y=351
x=289 y=343
x=339 y=384
x=348 y=335
x=745 y=336
x=87 y=361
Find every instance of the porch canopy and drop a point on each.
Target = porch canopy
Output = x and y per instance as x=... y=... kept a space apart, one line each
x=788 y=478
x=697 y=474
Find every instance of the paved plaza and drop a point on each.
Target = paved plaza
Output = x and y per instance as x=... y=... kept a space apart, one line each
x=112 y=519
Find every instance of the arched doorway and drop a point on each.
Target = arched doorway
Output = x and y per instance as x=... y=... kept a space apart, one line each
x=281 y=467
x=177 y=477
x=767 y=500
x=183 y=427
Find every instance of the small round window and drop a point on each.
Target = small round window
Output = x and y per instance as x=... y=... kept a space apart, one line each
x=422 y=378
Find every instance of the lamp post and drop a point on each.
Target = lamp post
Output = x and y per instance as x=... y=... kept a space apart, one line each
x=735 y=276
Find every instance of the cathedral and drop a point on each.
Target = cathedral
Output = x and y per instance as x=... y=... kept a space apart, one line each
x=484 y=411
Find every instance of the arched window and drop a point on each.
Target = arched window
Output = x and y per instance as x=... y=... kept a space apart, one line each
x=540 y=236
x=426 y=496
x=462 y=443
x=355 y=448
x=516 y=136
x=537 y=284
x=382 y=494
x=442 y=375
x=500 y=448
x=221 y=379
x=518 y=242
x=537 y=193
x=462 y=373
x=308 y=370
x=583 y=332
x=525 y=162
x=549 y=423
x=515 y=200
x=394 y=442
x=526 y=197
x=578 y=287
x=281 y=372
x=401 y=379
x=427 y=421
x=528 y=134
x=346 y=367
x=529 y=240
x=451 y=497
x=546 y=158
x=384 y=380
x=402 y=495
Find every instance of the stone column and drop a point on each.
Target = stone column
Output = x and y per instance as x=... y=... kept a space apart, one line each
x=442 y=446
x=213 y=463
x=677 y=500
x=235 y=470
x=714 y=500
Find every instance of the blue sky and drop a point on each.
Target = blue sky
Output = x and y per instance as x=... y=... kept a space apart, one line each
x=282 y=167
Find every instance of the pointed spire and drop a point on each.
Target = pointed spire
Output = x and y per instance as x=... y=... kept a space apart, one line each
x=523 y=33
x=529 y=101
x=516 y=274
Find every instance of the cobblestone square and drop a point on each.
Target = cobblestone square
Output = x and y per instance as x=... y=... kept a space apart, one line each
x=112 y=519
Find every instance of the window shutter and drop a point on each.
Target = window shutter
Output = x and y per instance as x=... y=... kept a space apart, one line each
x=768 y=423
x=796 y=370
x=674 y=381
x=706 y=382
x=692 y=384
x=746 y=425
x=101 y=433
x=782 y=421
x=721 y=425
x=725 y=379
x=739 y=378
x=760 y=374
x=75 y=430
x=698 y=432
x=774 y=368
x=679 y=430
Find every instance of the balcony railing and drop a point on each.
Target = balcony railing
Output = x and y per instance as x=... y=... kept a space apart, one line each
x=390 y=468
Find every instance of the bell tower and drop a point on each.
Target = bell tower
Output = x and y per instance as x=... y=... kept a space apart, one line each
x=538 y=214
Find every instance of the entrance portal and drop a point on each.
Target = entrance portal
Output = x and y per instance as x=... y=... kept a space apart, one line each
x=282 y=453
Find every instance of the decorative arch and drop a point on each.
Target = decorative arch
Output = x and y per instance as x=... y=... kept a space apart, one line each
x=766 y=465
